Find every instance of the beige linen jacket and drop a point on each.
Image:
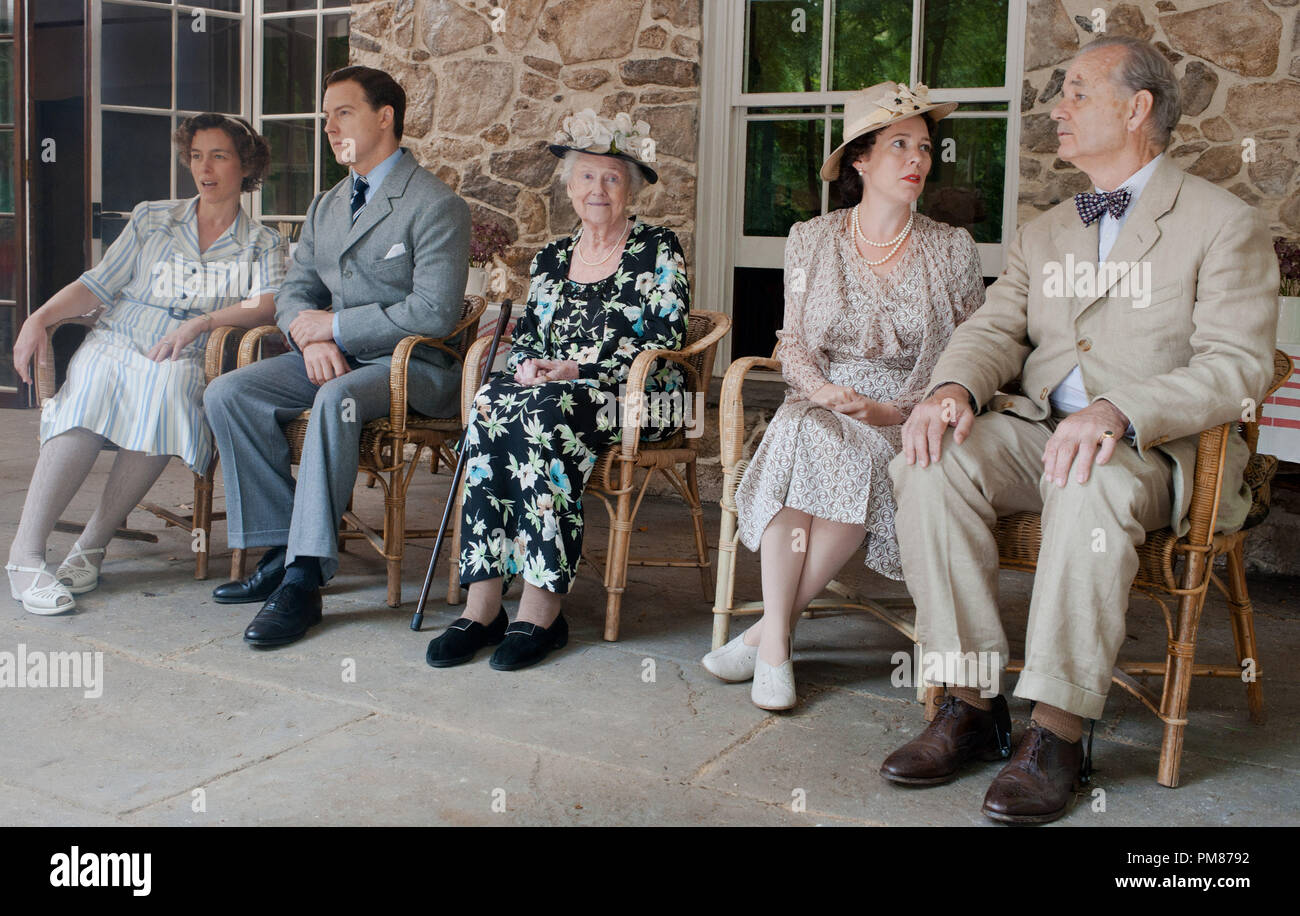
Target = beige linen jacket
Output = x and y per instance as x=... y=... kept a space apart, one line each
x=1177 y=332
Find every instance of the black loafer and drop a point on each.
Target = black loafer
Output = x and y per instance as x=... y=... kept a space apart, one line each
x=461 y=641
x=527 y=644
x=285 y=617
x=257 y=587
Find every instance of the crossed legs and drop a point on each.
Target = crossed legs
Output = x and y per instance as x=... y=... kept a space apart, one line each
x=799 y=554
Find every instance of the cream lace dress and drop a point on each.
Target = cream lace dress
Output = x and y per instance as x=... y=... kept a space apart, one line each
x=880 y=336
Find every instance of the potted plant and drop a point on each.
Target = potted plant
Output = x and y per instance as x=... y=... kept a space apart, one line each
x=1288 y=294
x=486 y=241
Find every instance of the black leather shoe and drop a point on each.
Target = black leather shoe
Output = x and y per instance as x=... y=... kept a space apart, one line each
x=257 y=587
x=461 y=641
x=285 y=617
x=1036 y=786
x=527 y=644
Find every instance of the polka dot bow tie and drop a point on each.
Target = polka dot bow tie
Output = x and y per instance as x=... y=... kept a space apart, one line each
x=1091 y=206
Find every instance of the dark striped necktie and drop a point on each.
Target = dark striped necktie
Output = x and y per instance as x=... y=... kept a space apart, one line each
x=359 y=188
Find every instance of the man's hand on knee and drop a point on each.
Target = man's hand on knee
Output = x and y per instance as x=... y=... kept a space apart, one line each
x=1091 y=434
x=949 y=405
x=323 y=361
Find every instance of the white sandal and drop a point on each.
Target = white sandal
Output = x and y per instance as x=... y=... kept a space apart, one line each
x=77 y=573
x=53 y=598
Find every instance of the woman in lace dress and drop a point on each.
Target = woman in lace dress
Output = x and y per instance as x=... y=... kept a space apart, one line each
x=872 y=294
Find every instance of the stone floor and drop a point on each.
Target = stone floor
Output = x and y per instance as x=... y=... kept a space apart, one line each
x=194 y=727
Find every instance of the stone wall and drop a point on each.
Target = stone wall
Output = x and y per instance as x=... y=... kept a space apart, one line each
x=1238 y=63
x=487 y=90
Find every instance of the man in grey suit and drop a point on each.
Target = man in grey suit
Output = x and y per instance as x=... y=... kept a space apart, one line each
x=383 y=255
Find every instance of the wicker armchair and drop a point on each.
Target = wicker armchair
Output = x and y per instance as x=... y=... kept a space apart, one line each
x=385 y=458
x=220 y=357
x=1180 y=569
x=613 y=477
x=896 y=612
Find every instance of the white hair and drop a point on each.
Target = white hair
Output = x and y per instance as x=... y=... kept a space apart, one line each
x=635 y=178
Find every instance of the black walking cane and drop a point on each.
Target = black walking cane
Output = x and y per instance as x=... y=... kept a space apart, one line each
x=418 y=619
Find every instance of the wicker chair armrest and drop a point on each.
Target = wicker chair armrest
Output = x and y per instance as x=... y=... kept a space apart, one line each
x=1211 y=450
x=222 y=351
x=634 y=411
x=44 y=376
x=469 y=374
x=1282 y=369
x=400 y=365
x=731 y=406
x=250 y=348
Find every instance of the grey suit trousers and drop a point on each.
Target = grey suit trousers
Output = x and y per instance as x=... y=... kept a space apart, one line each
x=247 y=410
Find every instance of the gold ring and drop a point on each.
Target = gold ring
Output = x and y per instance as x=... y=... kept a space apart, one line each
x=1108 y=434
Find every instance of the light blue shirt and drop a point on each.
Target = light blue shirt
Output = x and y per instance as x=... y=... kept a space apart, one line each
x=1070 y=396
x=375 y=178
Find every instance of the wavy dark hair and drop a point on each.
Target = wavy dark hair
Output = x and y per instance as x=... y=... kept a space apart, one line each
x=253 y=149
x=848 y=185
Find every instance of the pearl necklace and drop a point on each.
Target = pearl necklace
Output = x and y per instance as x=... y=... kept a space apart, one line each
x=895 y=243
x=617 y=244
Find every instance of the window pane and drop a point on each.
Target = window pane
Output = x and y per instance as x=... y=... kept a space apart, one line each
x=781 y=182
x=137 y=56
x=226 y=6
x=783 y=46
x=110 y=227
x=8 y=267
x=289 y=66
x=965 y=43
x=207 y=66
x=8 y=318
x=6 y=82
x=7 y=166
x=760 y=293
x=334 y=49
x=6 y=16
x=136 y=159
x=289 y=187
x=331 y=171
x=968 y=192
x=333 y=3
x=285 y=6
x=872 y=42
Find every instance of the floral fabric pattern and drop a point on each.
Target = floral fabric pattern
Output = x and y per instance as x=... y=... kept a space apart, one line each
x=531 y=448
x=880 y=336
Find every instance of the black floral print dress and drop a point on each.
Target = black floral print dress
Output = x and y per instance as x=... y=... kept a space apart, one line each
x=531 y=449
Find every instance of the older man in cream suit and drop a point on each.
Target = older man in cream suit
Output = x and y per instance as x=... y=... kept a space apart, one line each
x=1134 y=318
x=384 y=254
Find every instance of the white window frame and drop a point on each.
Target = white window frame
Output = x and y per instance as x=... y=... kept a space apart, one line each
x=317 y=116
x=182 y=13
x=720 y=247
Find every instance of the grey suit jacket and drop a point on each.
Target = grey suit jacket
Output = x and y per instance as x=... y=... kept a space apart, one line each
x=1186 y=355
x=400 y=270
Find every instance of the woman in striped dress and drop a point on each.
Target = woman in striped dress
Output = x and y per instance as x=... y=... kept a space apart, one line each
x=179 y=269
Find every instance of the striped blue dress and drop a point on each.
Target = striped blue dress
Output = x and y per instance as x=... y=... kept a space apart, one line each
x=151 y=279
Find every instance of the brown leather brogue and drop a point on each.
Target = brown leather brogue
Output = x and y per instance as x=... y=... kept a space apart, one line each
x=1036 y=784
x=958 y=734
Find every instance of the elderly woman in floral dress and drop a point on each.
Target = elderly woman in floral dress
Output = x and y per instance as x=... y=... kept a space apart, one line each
x=596 y=299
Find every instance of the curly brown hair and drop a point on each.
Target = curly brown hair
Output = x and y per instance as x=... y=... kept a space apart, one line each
x=848 y=185
x=253 y=149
